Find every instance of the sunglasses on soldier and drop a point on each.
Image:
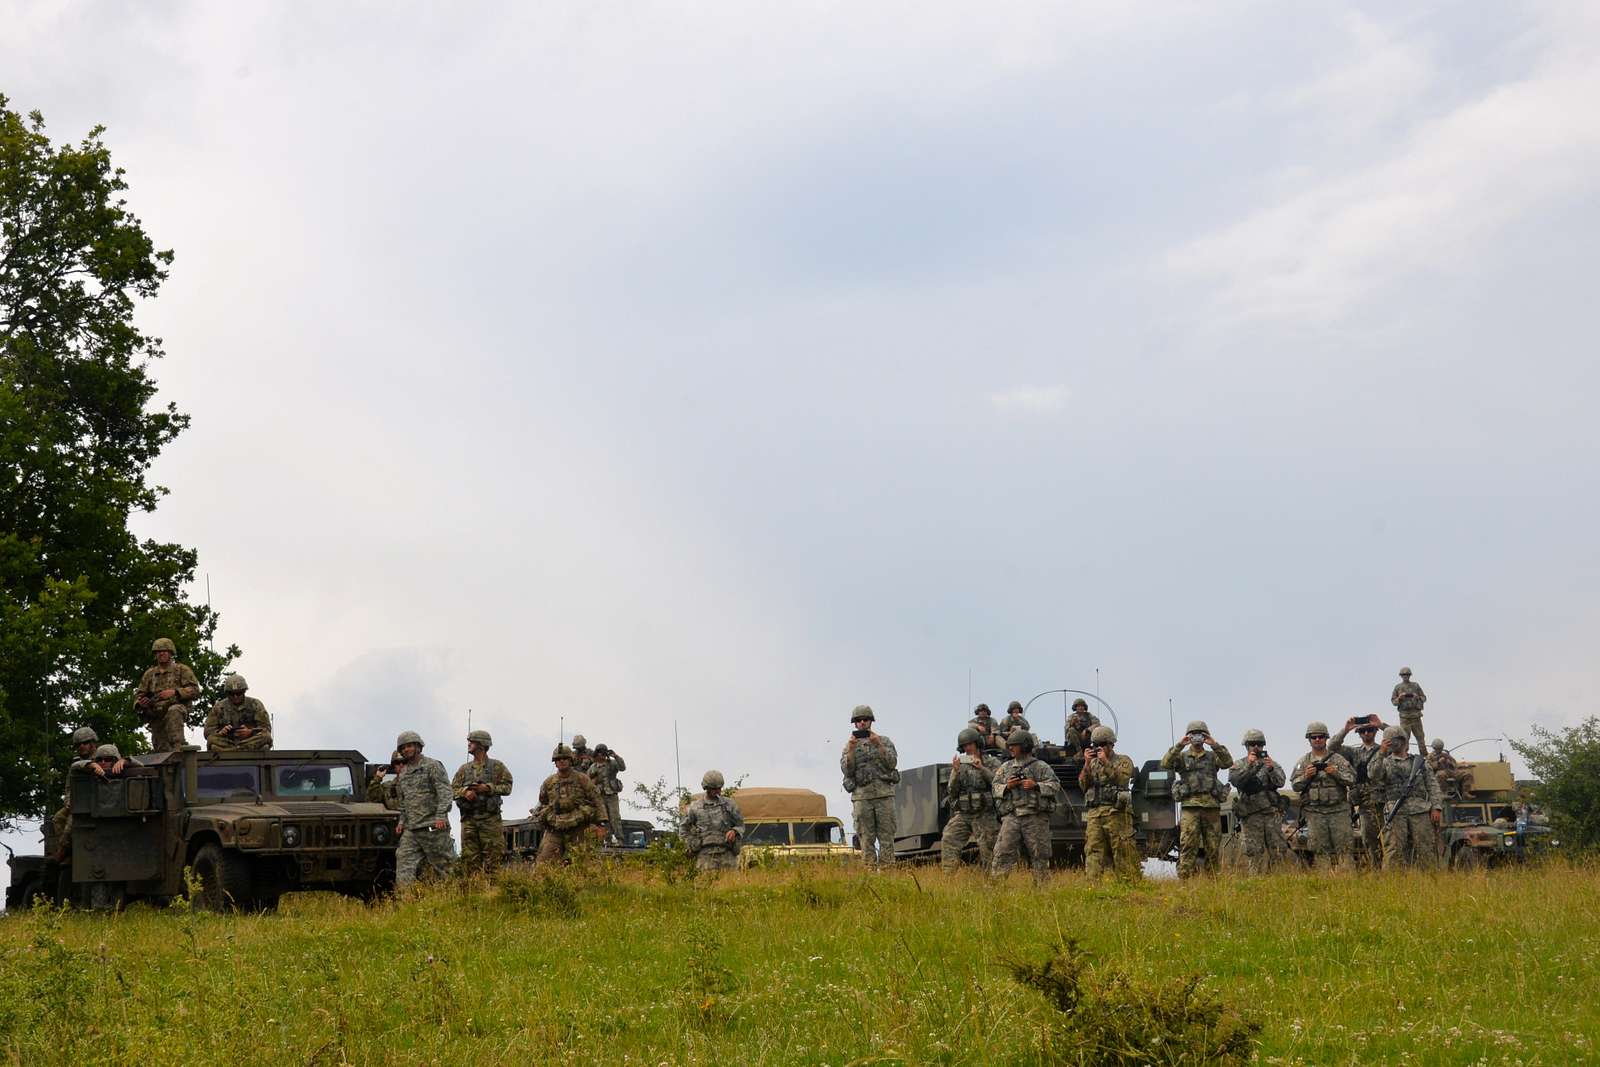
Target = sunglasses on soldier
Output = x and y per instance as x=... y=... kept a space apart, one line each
x=1317 y=737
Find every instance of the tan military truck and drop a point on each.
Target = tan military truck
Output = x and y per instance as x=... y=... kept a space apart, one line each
x=786 y=825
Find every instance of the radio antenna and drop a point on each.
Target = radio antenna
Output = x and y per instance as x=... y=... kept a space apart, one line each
x=1172 y=733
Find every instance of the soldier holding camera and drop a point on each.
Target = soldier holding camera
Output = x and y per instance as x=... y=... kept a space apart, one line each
x=1369 y=845
x=1323 y=779
x=480 y=786
x=1202 y=793
x=1108 y=808
x=970 y=795
x=1026 y=791
x=870 y=775
x=1255 y=809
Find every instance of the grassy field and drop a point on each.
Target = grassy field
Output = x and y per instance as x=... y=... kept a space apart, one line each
x=618 y=967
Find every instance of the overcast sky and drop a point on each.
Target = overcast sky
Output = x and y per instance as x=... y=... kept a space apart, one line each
x=729 y=365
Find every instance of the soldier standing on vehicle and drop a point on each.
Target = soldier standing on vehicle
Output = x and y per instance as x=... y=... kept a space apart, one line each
x=570 y=807
x=1080 y=727
x=1014 y=720
x=1197 y=785
x=1027 y=791
x=970 y=795
x=603 y=771
x=163 y=697
x=983 y=721
x=84 y=742
x=1255 y=809
x=1323 y=779
x=713 y=827
x=1409 y=698
x=422 y=795
x=238 y=722
x=1108 y=815
x=1411 y=801
x=870 y=774
x=1369 y=843
x=479 y=787
x=582 y=757
x=1455 y=781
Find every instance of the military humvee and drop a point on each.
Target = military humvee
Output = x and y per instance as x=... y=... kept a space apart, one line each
x=1481 y=829
x=522 y=839
x=251 y=825
x=788 y=824
x=920 y=810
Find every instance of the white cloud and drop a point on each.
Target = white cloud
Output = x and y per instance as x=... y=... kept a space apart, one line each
x=1031 y=399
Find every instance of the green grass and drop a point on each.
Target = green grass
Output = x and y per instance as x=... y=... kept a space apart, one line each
x=815 y=967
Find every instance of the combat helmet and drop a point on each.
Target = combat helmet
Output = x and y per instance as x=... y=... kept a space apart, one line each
x=107 y=752
x=1015 y=705
x=1315 y=727
x=982 y=709
x=85 y=735
x=1254 y=737
x=1020 y=739
x=563 y=751
x=164 y=644
x=602 y=749
x=1080 y=705
x=234 y=683
x=1196 y=726
x=1438 y=744
x=1102 y=735
x=712 y=780
x=1405 y=672
x=863 y=711
x=408 y=737
x=1395 y=733
x=579 y=741
x=482 y=737
x=969 y=736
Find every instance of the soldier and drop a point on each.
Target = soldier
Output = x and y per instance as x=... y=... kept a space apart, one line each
x=868 y=763
x=1026 y=791
x=1411 y=803
x=1196 y=784
x=238 y=722
x=84 y=743
x=107 y=762
x=582 y=757
x=380 y=791
x=1455 y=781
x=1323 y=779
x=569 y=807
x=1014 y=720
x=983 y=721
x=422 y=795
x=1255 y=809
x=603 y=772
x=1409 y=698
x=479 y=786
x=1080 y=726
x=713 y=827
x=162 y=699
x=1108 y=809
x=970 y=795
x=1369 y=845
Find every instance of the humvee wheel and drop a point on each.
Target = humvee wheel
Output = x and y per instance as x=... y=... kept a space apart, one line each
x=225 y=882
x=1467 y=858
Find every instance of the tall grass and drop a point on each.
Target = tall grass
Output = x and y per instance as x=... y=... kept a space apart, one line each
x=617 y=966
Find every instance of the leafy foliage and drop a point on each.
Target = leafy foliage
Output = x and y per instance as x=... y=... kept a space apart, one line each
x=81 y=597
x=1567 y=765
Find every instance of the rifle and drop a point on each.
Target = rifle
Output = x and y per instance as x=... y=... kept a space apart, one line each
x=1411 y=783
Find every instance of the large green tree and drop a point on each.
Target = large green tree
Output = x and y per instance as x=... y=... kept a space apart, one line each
x=1567 y=766
x=81 y=597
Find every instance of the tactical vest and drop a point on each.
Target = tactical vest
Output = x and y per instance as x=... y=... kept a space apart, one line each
x=1197 y=777
x=1326 y=790
x=1106 y=794
x=481 y=774
x=1021 y=801
x=713 y=820
x=969 y=793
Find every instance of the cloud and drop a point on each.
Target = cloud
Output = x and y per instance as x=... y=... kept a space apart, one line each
x=1030 y=399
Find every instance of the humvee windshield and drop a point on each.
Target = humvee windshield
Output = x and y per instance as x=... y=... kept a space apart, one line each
x=818 y=833
x=219 y=780
x=768 y=833
x=311 y=779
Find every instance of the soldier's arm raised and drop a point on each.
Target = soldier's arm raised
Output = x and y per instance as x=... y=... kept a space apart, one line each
x=1122 y=771
x=1170 y=760
x=1224 y=757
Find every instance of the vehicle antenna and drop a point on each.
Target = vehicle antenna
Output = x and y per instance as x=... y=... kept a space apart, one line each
x=211 y=622
x=1097 y=681
x=676 y=758
x=1172 y=733
x=469 y=720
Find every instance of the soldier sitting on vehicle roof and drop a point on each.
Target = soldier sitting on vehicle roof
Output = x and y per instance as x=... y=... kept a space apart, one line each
x=238 y=722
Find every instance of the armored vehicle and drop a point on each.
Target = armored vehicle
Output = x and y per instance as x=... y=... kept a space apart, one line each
x=522 y=839
x=788 y=824
x=1485 y=829
x=251 y=826
x=921 y=809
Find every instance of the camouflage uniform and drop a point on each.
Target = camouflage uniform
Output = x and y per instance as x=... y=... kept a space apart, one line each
x=868 y=765
x=569 y=805
x=603 y=773
x=1409 y=838
x=705 y=832
x=1369 y=844
x=1012 y=720
x=248 y=712
x=984 y=722
x=1455 y=781
x=1025 y=814
x=1409 y=698
x=422 y=795
x=1079 y=726
x=1108 y=820
x=165 y=717
x=1325 y=806
x=582 y=756
x=483 y=846
x=1197 y=786
x=1255 y=810
x=970 y=794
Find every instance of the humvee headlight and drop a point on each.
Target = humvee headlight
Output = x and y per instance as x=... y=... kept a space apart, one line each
x=291 y=836
x=380 y=834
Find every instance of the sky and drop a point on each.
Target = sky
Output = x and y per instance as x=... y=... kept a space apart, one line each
x=687 y=374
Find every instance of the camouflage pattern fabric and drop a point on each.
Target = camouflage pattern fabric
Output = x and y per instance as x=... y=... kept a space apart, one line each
x=985 y=725
x=1199 y=840
x=1454 y=780
x=1411 y=841
x=555 y=846
x=248 y=712
x=380 y=790
x=982 y=827
x=1409 y=838
x=1368 y=845
x=1259 y=839
x=1195 y=775
x=483 y=845
x=1329 y=836
x=422 y=796
x=1409 y=698
x=164 y=716
x=1257 y=784
x=1023 y=830
x=1012 y=720
x=716 y=858
x=874 y=819
x=1103 y=783
x=1079 y=724
x=704 y=832
x=583 y=761
x=569 y=804
x=870 y=775
x=1108 y=843
x=605 y=771
x=1325 y=806
x=424 y=853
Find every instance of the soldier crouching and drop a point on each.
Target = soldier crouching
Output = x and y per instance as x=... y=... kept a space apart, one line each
x=1026 y=791
x=570 y=809
x=238 y=722
x=713 y=827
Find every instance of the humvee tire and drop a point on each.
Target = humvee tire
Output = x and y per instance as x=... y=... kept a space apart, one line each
x=1467 y=858
x=225 y=881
